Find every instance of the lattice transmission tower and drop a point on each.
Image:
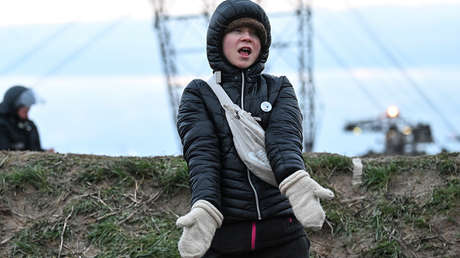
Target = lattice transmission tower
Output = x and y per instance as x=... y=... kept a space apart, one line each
x=300 y=42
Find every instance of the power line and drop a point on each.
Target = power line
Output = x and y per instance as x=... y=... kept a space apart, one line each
x=77 y=52
x=366 y=27
x=373 y=100
x=446 y=98
x=38 y=47
x=386 y=81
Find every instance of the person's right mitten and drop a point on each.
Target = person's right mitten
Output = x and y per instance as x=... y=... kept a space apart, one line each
x=199 y=226
x=304 y=193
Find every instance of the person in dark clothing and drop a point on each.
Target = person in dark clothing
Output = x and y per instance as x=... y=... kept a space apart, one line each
x=17 y=132
x=235 y=213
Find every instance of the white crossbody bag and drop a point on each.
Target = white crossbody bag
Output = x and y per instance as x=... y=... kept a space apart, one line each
x=248 y=135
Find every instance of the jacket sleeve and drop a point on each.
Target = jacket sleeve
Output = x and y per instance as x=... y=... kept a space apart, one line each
x=200 y=145
x=283 y=136
x=4 y=140
x=34 y=139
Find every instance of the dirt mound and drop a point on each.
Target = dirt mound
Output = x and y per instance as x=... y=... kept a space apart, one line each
x=56 y=205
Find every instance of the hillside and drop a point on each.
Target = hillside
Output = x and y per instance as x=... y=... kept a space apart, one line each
x=67 y=205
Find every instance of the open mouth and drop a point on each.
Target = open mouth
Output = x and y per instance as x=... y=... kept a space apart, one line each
x=245 y=51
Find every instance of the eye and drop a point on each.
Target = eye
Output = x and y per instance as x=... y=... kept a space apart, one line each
x=252 y=32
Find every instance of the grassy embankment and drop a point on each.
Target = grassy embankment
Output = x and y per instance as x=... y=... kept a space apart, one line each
x=55 y=205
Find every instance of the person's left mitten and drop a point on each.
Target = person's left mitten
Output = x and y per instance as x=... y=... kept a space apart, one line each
x=199 y=226
x=304 y=194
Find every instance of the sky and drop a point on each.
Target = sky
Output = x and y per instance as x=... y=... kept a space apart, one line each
x=96 y=68
x=58 y=11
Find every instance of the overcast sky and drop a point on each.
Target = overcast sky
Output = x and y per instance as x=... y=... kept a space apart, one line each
x=101 y=74
x=62 y=11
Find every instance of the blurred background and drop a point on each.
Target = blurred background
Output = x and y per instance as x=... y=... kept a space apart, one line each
x=377 y=76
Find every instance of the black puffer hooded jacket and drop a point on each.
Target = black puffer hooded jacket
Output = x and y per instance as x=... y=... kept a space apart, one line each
x=15 y=133
x=217 y=174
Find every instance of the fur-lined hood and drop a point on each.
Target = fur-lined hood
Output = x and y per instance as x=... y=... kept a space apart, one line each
x=224 y=14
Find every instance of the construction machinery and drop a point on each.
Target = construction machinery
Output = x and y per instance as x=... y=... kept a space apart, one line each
x=402 y=137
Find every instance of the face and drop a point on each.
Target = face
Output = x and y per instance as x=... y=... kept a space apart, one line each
x=23 y=112
x=241 y=47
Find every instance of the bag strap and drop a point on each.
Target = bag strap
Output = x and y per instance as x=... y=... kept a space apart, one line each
x=224 y=99
x=262 y=168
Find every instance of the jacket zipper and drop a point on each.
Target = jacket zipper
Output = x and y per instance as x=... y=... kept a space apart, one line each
x=259 y=217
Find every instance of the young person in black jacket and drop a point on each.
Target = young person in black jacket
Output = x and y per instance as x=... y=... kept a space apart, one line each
x=17 y=131
x=234 y=213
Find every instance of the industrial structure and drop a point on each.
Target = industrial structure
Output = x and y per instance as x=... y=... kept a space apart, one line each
x=402 y=137
x=300 y=42
x=291 y=52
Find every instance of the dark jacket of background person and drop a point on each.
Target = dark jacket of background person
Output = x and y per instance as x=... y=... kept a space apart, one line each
x=16 y=134
x=217 y=174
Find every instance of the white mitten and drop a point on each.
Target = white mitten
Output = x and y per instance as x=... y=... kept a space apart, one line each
x=199 y=226
x=304 y=193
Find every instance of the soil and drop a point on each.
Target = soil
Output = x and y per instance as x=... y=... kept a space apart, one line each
x=25 y=204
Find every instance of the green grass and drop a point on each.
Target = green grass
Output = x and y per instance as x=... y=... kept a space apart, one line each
x=332 y=163
x=378 y=177
x=159 y=239
x=36 y=240
x=114 y=213
x=106 y=234
x=20 y=178
x=84 y=206
x=171 y=182
x=446 y=198
x=385 y=218
x=448 y=167
x=116 y=175
x=342 y=219
x=421 y=223
x=169 y=174
x=385 y=248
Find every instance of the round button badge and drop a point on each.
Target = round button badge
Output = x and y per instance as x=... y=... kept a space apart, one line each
x=266 y=106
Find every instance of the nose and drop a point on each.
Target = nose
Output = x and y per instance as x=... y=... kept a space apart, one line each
x=246 y=36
